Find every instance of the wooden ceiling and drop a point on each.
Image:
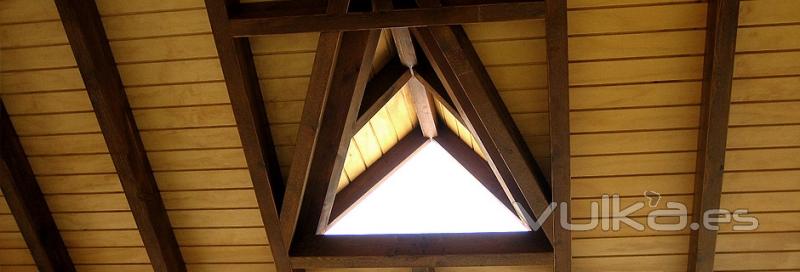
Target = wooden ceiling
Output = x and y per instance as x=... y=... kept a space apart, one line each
x=636 y=70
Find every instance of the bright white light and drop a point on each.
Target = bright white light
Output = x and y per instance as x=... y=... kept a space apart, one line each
x=430 y=193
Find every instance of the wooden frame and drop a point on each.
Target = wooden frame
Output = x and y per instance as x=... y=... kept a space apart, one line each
x=343 y=63
x=98 y=69
x=27 y=204
x=558 y=105
x=723 y=18
x=457 y=65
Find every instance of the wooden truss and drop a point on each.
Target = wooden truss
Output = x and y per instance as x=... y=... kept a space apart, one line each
x=295 y=213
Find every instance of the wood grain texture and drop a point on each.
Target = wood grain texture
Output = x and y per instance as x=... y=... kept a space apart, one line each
x=558 y=106
x=89 y=43
x=245 y=94
x=27 y=204
x=723 y=18
x=380 y=89
x=253 y=23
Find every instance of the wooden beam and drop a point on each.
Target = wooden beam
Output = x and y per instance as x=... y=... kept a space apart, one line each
x=380 y=89
x=377 y=172
x=427 y=76
x=723 y=16
x=405 y=46
x=95 y=61
x=558 y=103
x=477 y=166
x=423 y=269
x=27 y=204
x=349 y=79
x=422 y=250
x=310 y=122
x=273 y=22
x=485 y=115
x=423 y=101
x=244 y=91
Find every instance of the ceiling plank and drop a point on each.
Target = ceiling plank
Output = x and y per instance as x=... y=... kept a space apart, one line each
x=349 y=78
x=249 y=111
x=478 y=102
x=558 y=105
x=260 y=21
x=723 y=16
x=92 y=52
x=380 y=89
x=358 y=188
x=27 y=204
x=476 y=165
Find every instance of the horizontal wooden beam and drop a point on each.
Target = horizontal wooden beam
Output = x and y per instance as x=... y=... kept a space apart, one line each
x=294 y=20
x=422 y=250
x=98 y=69
x=723 y=16
x=27 y=204
x=375 y=173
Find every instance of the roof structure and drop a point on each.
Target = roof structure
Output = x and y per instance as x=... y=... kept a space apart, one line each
x=224 y=135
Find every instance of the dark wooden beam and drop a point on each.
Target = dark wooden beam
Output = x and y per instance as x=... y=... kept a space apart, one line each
x=310 y=124
x=477 y=166
x=376 y=173
x=99 y=71
x=558 y=103
x=423 y=269
x=485 y=115
x=380 y=89
x=723 y=16
x=27 y=204
x=423 y=250
x=244 y=91
x=349 y=79
x=251 y=23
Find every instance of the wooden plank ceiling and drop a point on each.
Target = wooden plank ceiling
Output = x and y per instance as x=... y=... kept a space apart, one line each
x=635 y=80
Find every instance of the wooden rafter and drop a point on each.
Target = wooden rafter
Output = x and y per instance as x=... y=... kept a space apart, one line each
x=274 y=18
x=387 y=163
x=244 y=91
x=27 y=204
x=558 y=105
x=423 y=101
x=349 y=79
x=480 y=106
x=310 y=124
x=380 y=89
x=723 y=16
x=92 y=52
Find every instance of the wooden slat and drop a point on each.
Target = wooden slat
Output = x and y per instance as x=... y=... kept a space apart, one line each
x=473 y=162
x=477 y=100
x=244 y=91
x=88 y=40
x=253 y=23
x=558 y=105
x=358 y=188
x=27 y=204
x=721 y=31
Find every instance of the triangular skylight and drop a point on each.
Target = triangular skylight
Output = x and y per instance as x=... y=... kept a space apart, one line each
x=429 y=193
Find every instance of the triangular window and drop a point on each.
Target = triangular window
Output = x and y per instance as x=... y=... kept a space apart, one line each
x=431 y=192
